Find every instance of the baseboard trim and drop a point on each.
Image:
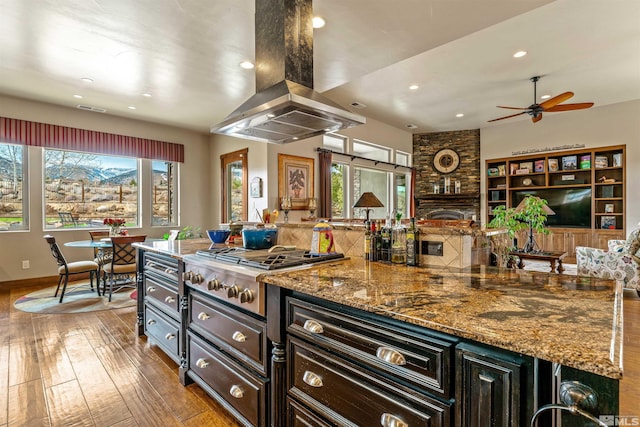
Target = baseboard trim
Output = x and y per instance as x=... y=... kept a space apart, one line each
x=34 y=281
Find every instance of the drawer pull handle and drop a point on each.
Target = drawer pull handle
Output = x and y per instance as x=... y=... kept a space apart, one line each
x=201 y=363
x=151 y=322
x=239 y=336
x=203 y=316
x=389 y=420
x=151 y=289
x=236 y=392
x=313 y=327
x=169 y=336
x=169 y=300
x=312 y=379
x=390 y=355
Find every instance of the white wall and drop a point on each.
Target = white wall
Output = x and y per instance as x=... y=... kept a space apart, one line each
x=195 y=198
x=617 y=124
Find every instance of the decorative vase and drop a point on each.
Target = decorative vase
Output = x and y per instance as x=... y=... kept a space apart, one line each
x=114 y=231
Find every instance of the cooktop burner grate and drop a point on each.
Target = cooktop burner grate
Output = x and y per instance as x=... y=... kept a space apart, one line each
x=264 y=260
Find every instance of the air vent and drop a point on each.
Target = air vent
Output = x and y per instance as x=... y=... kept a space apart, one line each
x=90 y=108
x=357 y=104
x=412 y=126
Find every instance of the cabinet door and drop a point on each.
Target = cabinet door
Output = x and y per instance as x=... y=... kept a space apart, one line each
x=488 y=388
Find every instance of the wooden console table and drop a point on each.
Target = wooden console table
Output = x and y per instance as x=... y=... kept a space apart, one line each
x=552 y=256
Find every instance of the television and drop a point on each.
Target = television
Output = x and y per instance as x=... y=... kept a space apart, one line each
x=571 y=205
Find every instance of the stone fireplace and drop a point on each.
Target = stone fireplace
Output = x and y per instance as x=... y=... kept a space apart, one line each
x=464 y=204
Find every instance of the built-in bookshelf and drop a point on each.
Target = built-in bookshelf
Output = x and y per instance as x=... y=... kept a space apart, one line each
x=586 y=187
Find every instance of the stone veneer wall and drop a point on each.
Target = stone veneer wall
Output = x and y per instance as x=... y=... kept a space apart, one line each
x=467 y=144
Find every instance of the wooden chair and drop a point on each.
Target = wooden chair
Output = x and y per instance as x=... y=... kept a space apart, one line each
x=66 y=269
x=101 y=256
x=123 y=263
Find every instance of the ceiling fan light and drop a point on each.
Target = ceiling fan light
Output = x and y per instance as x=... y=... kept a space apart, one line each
x=520 y=54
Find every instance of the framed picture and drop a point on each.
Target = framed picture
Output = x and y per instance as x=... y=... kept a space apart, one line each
x=569 y=163
x=539 y=166
x=255 y=187
x=608 y=208
x=608 y=222
x=527 y=165
x=502 y=170
x=617 y=159
x=602 y=162
x=585 y=161
x=553 y=165
x=513 y=167
x=295 y=180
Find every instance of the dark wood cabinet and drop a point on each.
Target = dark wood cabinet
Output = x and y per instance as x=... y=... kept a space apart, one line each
x=492 y=387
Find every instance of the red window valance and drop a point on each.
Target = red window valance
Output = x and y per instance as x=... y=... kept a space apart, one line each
x=67 y=138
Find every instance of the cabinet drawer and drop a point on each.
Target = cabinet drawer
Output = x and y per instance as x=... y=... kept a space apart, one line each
x=228 y=382
x=163 y=330
x=160 y=294
x=237 y=333
x=299 y=416
x=419 y=359
x=161 y=264
x=348 y=395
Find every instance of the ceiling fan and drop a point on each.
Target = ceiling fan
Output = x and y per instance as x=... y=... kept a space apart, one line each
x=551 y=105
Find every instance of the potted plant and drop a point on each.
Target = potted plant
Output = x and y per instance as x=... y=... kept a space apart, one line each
x=531 y=214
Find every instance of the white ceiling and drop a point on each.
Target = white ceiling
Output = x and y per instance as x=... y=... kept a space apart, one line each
x=186 y=54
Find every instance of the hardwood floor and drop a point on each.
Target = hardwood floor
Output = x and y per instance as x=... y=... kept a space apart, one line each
x=92 y=370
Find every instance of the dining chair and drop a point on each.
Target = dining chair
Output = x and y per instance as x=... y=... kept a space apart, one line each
x=101 y=256
x=123 y=263
x=66 y=269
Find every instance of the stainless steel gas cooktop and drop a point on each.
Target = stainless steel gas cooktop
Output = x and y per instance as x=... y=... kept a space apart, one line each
x=264 y=259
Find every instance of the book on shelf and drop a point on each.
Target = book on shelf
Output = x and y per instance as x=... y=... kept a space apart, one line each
x=553 y=165
x=617 y=159
x=527 y=165
x=513 y=167
x=585 y=161
x=607 y=191
x=539 y=166
x=569 y=163
x=608 y=222
x=608 y=208
x=602 y=162
x=502 y=170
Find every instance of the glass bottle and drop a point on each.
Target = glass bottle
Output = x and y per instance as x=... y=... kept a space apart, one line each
x=413 y=243
x=398 y=244
x=373 y=250
x=385 y=235
x=367 y=241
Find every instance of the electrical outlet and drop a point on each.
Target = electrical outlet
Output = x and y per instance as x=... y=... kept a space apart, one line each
x=25 y=264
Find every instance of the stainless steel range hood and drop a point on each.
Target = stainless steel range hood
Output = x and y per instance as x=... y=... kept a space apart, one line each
x=285 y=107
x=286 y=112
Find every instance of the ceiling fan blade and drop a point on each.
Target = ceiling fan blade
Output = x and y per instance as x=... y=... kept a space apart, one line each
x=536 y=118
x=569 y=107
x=552 y=102
x=513 y=108
x=508 y=117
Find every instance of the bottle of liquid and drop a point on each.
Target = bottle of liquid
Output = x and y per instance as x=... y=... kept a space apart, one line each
x=379 y=241
x=373 y=254
x=385 y=235
x=367 y=241
x=398 y=244
x=413 y=243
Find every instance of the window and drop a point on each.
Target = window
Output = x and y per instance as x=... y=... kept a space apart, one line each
x=376 y=181
x=235 y=186
x=371 y=151
x=13 y=188
x=81 y=189
x=164 y=199
x=339 y=183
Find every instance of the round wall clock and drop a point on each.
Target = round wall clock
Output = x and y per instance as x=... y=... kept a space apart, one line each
x=446 y=160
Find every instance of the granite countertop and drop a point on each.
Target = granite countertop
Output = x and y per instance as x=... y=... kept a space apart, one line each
x=570 y=320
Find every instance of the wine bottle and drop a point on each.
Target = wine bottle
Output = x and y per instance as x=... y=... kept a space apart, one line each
x=413 y=243
x=367 y=241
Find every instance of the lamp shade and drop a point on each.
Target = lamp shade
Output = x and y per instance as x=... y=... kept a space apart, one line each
x=521 y=206
x=368 y=200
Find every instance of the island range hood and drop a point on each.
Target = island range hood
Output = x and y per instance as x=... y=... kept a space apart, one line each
x=285 y=107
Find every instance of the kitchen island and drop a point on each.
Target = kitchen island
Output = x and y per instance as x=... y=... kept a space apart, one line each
x=438 y=346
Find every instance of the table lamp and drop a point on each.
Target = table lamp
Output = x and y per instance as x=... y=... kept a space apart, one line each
x=368 y=200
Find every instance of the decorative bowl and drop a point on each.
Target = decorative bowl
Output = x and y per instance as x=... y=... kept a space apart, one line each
x=218 y=236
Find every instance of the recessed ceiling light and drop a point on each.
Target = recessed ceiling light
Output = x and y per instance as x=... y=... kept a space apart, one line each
x=414 y=87
x=148 y=95
x=77 y=96
x=412 y=126
x=318 y=22
x=459 y=115
x=87 y=80
x=247 y=65
x=131 y=107
x=520 y=54
x=545 y=97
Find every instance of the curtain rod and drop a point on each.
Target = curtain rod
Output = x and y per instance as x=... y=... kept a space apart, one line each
x=353 y=156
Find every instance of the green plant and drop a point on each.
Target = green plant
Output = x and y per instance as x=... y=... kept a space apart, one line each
x=187 y=232
x=531 y=214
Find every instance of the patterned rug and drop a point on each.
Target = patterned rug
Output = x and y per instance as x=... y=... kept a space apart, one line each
x=78 y=298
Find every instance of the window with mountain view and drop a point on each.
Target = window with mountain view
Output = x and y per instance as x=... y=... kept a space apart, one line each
x=13 y=212
x=82 y=189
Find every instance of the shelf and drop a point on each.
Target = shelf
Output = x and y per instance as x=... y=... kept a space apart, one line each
x=497 y=201
x=449 y=196
x=609 y=213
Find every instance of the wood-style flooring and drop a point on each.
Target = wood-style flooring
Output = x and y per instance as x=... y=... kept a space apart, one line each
x=93 y=370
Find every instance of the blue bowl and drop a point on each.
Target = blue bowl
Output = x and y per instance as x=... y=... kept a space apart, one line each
x=218 y=236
